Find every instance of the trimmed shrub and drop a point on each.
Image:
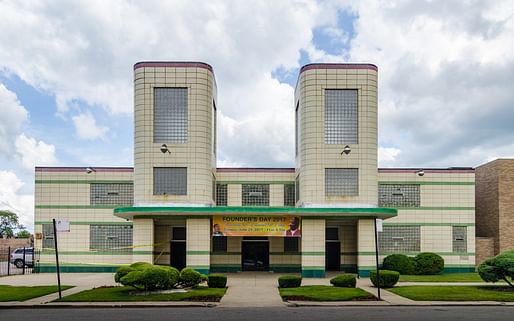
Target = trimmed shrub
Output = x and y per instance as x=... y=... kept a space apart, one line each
x=344 y=281
x=173 y=276
x=204 y=277
x=217 y=280
x=400 y=263
x=387 y=278
x=500 y=267
x=140 y=265
x=190 y=277
x=133 y=279
x=121 y=272
x=428 y=263
x=289 y=281
x=151 y=278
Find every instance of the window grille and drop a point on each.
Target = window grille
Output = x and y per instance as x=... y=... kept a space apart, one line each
x=48 y=236
x=255 y=195
x=460 y=242
x=221 y=194
x=289 y=197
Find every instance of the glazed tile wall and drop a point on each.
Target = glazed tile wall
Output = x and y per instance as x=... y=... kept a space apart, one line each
x=197 y=154
x=198 y=242
x=314 y=155
x=143 y=240
x=313 y=244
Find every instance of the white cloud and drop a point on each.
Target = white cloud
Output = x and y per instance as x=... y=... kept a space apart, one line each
x=13 y=115
x=86 y=127
x=387 y=155
x=12 y=199
x=34 y=153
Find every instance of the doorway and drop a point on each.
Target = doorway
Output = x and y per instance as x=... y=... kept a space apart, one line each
x=332 y=249
x=178 y=248
x=255 y=254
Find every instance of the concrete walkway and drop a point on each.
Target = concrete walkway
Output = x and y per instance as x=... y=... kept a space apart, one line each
x=252 y=289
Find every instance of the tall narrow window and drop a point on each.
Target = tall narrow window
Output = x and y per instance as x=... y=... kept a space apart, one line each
x=297 y=188
x=170 y=115
x=289 y=199
x=170 y=181
x=341 y=182
x=460 y=242
x=48 y=236
x=221 y=194
x=341 y=116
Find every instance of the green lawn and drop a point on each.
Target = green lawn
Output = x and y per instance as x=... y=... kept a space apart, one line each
x=123 y=293
x=455 y=293
x=324 y=293
x=23 y=293
x=447 y=277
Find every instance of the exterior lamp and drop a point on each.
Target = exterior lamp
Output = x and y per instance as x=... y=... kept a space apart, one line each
x=164 y=149
x=89 y=170
x=420 y=172
x=346 y=150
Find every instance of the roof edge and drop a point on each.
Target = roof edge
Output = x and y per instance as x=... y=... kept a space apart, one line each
x=179 y=64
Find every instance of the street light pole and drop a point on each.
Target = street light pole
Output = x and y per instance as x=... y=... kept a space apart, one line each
x=376 y=257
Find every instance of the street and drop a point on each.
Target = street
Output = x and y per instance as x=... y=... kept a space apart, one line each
x=478 y=313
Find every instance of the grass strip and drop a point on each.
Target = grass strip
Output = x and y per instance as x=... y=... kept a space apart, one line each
x=125 y=293
x=455 y=293
x=23 y=293
x=447 y=277
x=325 y=293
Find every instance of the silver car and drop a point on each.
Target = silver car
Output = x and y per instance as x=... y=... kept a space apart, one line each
x=17 y=257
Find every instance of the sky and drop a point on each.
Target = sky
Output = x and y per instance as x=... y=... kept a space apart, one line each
x=446 y=78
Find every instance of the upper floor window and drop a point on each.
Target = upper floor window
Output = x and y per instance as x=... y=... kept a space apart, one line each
x=460 y=239
x=170 y=115
x=255 y=195
x=289 y=198
x=111 y=194
x=341 y=182
x=398 y=195
x=221 y=194
x=170 y=181
x=341 y=116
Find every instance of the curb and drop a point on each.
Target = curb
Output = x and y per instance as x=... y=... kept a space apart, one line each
x=17 y=305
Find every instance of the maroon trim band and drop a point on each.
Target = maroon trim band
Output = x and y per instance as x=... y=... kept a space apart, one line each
x=83 y=169
x=179 y=64
x=427 y=170
x=337 y=66
x=254 y=170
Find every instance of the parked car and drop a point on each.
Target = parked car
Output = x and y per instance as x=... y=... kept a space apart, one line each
x=17 y=257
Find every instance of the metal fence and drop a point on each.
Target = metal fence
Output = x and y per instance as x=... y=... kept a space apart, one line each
x=22 y=260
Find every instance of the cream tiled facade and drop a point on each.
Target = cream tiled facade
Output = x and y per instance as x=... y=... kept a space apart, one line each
x=434 y=210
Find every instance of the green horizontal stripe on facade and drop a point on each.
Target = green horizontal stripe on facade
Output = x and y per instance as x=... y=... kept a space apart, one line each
x=256 y=210
x=203 y=267
x=87 y=223
x=435 y=208
x=52 y=252
x=424 y=183
x=459 y=265
x=313 y=253
x=317 y=268
x=429 y=224
x=257 y=182
x=80 y=181
x=198 y=252
x=349 y=253
x=77 y=206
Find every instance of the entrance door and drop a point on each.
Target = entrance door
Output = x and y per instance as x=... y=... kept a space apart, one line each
x=255 y=255
x=178 y=248
x=332 y=256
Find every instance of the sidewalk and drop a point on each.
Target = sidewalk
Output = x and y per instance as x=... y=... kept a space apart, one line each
x=256 y=289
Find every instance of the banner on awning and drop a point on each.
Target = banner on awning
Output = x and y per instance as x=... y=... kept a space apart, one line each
x=245 y=225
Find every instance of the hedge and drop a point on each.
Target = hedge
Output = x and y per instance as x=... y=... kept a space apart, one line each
x=344 y=281
x=289 y=281
x=428 y=263
x=217 y=280
x=387 y=278
x=400 y=263
x=190 y=277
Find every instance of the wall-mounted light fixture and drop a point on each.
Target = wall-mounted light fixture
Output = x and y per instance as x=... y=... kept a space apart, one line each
x=89 y=170
x=420 y=172
x=346 y=150
x=164 y=149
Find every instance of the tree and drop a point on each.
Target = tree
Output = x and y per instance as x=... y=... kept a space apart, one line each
x=9 y=223
x=500 y=267
x=23 y=234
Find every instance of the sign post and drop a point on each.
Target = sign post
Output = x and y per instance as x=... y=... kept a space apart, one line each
x=59 y=226
x=378 y=225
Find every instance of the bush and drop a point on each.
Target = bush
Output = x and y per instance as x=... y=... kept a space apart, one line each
x=151 y=278
x=190 y=277
x=344 y=281
x=217 y=280
x=289 y=281
x=204 y=277
x=428 y=263
x=400 y=263
x=121 y=272
x=387 y=278
x=140 y=265
x=500 y=267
